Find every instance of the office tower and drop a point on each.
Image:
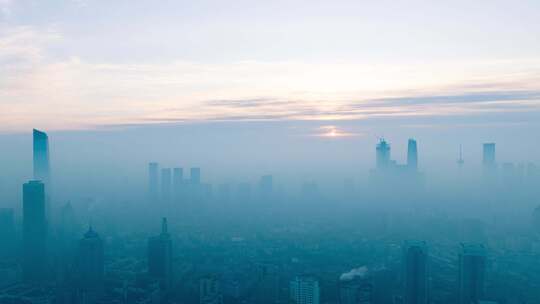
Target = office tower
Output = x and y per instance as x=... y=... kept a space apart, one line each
x=178 y=177
x=153 y=180
x=460 y=160
x=7 y=233
x=210 y=290
x=383 y=154
x=488 y=159
x=166 y=184
x=412 y=155
x=195 y=175
x=34 y=232
x=160 y=256
x=304 y=290
x=358 y=290
x=90 y=264
x=41 y=157
x=472 y=268
x=266 y=185
x=415 y=272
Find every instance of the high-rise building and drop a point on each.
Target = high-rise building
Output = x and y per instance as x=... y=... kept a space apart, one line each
x=415 y=272
x=153 y=180
x=90 y=264
x=304 y=290
x=166 y=184
x=178 y=177
x=358 y=290
x=160 y=256
x=412 y=155
x=383 y=154
x=210 y=290
x=488 y=158
x=472 y=268
x=195 y=176
x=34 y=232
x=41 y=157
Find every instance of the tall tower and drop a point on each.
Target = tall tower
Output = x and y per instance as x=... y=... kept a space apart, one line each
x=460 y=160
x=304 y=290
x=412 y=155
x=488 y=159
x=160 y=256
x=41 y=157
x=415 y=272
x=34 y=232
x=153 y=180
x=90 y=264
x=472 y=268
x=383 y=154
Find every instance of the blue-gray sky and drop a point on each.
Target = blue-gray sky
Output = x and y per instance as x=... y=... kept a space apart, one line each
x=86 y=64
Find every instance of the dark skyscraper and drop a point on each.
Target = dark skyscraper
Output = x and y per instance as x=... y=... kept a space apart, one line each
x=195 y=175
x=415 y=272
x=34 y=232
x=166 y=184
x=472 y=268
x=153 y=180
x=412 y=155
x=383 y=154
x=90 y=264
x=41 y=157
x=160 y=256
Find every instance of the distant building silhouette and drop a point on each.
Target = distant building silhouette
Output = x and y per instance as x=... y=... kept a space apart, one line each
x=34 y=232
x=415 y=272
x=472 y=268
x=488 y=160
x=210 y=290
x=42 y=170
x=166 y=184
x=412 y=155
x=383 y=154
x=153 y=180
x=160 y=256
x=358 y=290
x=304 y=290
x=90 y=266
x=195 y=176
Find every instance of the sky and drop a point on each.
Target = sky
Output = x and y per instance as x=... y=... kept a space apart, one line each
x=84 y=64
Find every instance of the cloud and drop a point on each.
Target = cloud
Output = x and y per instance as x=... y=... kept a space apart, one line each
x=354 y=273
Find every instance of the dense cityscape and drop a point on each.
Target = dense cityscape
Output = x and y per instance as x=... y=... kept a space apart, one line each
x=188 y=241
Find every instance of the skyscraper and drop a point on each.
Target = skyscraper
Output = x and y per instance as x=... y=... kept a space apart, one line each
x=383 y=154
x=160 y=256
x=488 y=159
x=166 y=184
x=415 y=272
x=178 y=177
x=472 y=268
x=195 y=176
x=90 y=264
x=41 y=157
x=34 y=232
x=304 y=290
x=412 y=155
x=153 y=180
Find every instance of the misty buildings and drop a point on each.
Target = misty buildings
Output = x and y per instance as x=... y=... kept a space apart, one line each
x=382 y=155
x=41 y=157
x=90 y=265
x=210 y=290
x=415 y=272
x=34 y=232
x=153 y=180
x=488 y=160
x=412 y=155
x=358 y=290
x=160 y=256
x=472 y=268
x=304 y=290
x=195 y=176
